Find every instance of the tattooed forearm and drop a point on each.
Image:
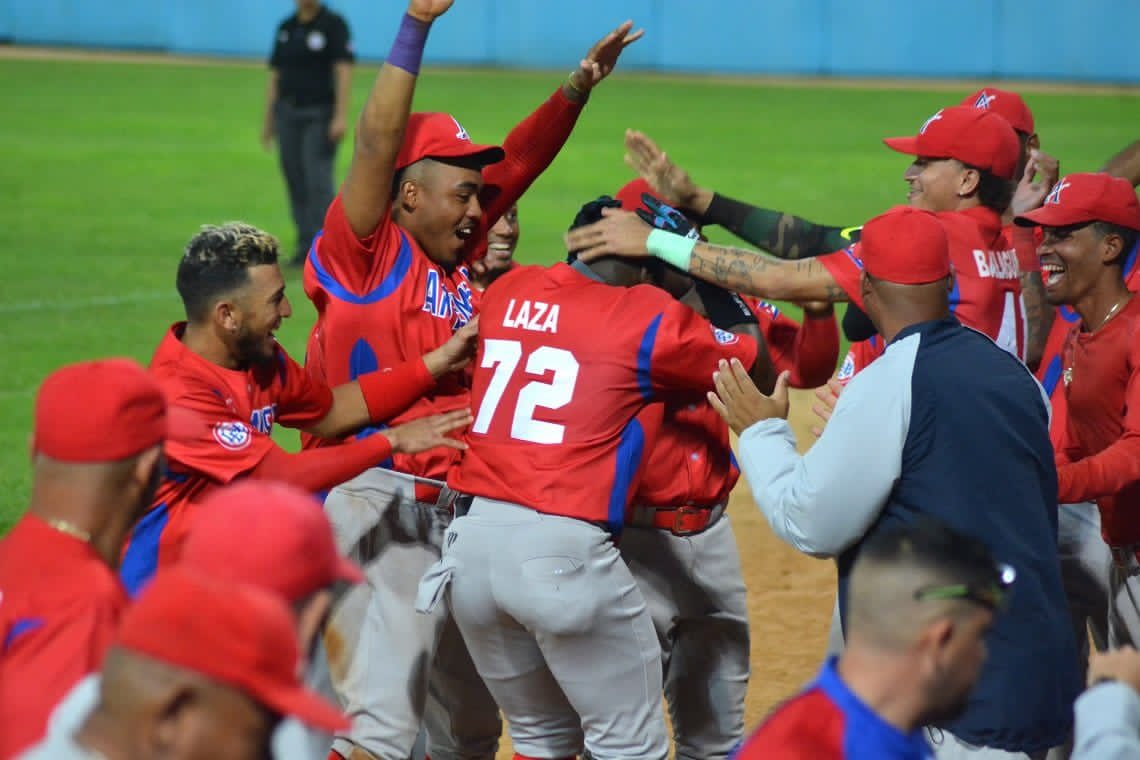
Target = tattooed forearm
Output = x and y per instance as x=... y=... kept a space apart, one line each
x=1039 y=317
x=746 y=271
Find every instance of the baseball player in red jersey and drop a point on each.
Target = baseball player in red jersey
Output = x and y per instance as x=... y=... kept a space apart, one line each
x=1090 y=223
x=97 y=454
x=388 y=278
x=551 y=614
x=680 y=545
x=224 y=368
x=499 y=258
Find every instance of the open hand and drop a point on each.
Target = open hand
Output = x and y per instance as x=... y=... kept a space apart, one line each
x=740 y=403
x=428 y=10
x=456 y=353
x=669 y=181
x=428 y=432
x=828 y=397
x=1117 y=664
x=603 y=56
x=1030 y=193
x=619 y=233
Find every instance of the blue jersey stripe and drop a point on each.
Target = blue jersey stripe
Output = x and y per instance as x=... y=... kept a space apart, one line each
x=1052 y=375
x=141 y=558
x=362 y=360
x=645 y=358
x=386 y=287
x=629 y=451
x=955 y=297
x=19 y=627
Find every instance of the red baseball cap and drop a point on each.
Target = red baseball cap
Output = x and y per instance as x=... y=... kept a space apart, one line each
x=234 y=634
x=974 y=136
x=99 y=411
x=270 y=535
x=439 y=135
x=1005 y=104
x=1087 y=197
x=905 y=245
x=630 y=194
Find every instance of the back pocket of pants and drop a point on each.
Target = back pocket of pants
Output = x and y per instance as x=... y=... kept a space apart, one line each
x=553 y=596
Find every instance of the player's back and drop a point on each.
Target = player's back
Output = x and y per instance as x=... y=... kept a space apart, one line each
x=565 y=363
x=987 y=286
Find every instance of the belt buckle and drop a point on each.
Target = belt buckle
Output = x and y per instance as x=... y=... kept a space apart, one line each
x=678 y=514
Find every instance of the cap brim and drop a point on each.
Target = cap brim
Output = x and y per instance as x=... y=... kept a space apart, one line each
x=908 y=145
x=1052 y=216
x=306 y=706
x=348 y=571
x=484 y=155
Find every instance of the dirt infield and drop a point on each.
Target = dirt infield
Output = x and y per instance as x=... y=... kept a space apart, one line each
x=36 y=53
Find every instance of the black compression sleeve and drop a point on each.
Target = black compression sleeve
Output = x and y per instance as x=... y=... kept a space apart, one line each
x=785 y=236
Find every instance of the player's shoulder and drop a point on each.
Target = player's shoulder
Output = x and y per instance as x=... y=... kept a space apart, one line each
x=807 y=725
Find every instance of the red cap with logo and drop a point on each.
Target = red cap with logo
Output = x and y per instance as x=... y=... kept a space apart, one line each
x=974 y=136
x=235 y=634
x=270 y=535
x=439 y=135
x=1089 y=197
x=99 y=411
x=1005 y=104
x=630 y=194
x=905 y=245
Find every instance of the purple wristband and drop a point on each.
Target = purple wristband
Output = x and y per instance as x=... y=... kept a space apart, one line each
x=408 y=49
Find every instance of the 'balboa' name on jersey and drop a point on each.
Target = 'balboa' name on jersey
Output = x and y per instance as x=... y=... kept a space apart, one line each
x=1001 y=265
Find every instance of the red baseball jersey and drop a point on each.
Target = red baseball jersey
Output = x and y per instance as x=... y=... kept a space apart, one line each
x=565 y=364
x=1050 y=369
x=1100 y=458
x=859 y=355
x=381 y=301
x=233 y=414
x=987 y=284
x=59 y=608
x=690 y=460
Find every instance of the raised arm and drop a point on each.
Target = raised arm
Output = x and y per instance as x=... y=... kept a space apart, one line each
x=537 y=139
x=785 y=236
x=737 y=269
x=1125 y=164
x=366 y=193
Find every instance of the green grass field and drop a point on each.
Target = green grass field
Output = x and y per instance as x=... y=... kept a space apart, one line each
x=109 y=168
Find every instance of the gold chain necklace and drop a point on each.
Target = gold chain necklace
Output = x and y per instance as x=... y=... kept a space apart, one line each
x=1067 y=376
x=69 y=529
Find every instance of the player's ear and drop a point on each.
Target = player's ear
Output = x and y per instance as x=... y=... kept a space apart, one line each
x=409 y=194
x=968 y=181
x=1111 y=248
x=225 y=316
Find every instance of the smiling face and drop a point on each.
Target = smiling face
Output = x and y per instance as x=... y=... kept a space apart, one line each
x=938 y=184
x=257 y=311
x=1073 y=260
x=502 y=239
x=439 y=206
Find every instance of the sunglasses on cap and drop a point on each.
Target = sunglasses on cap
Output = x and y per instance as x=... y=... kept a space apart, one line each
x=992 y=595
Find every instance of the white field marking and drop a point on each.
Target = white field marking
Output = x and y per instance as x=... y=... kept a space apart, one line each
x=75 y=304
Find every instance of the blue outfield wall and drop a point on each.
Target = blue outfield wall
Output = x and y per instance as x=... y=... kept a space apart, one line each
x=1090 y=40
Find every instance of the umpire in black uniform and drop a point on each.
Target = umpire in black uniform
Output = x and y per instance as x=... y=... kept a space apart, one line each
x=306 y=105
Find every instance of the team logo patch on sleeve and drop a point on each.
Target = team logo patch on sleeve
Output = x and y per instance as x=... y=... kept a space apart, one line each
x=724 y=337
x=233 y=436
x=847 y=371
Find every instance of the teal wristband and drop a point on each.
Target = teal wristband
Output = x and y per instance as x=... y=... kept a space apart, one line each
x=670 y=248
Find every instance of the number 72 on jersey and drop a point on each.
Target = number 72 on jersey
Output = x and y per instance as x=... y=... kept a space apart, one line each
x=504 y=356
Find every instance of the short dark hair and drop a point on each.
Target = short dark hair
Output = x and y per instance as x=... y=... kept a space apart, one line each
x=216 y=262
x=994 y=192
x=589 y=213
x=1127 y=235
x=930 y=544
